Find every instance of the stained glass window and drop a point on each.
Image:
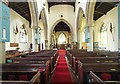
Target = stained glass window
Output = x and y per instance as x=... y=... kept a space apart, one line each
x=62 y=39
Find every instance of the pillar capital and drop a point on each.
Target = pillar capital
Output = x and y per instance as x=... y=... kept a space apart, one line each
x=35 y=27
x=90 y=26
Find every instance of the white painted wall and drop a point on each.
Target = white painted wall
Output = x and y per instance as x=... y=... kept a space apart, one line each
x=111 y=17
x=40 y=5
x=82 y=5
x=42 y=36
x=68 y=14
x=16 y=18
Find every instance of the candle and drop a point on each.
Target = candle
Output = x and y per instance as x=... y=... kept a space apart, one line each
x=4 y=33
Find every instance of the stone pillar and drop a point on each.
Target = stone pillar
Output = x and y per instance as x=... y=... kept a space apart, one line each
x=2 y=52
x=80 y=45
x=34 y=49
x=90 y=39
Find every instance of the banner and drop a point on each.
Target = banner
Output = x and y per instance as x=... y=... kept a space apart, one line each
x=4 y=23
x=86 y=35
x=119 y=21
x=38 y=36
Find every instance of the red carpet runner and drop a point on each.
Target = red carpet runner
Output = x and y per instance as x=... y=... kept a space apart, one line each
x=61 y=74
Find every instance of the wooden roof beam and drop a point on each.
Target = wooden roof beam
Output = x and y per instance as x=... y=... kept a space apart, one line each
x=99 y=5
x=100 y=12
x=61 y=0
x=113 y=4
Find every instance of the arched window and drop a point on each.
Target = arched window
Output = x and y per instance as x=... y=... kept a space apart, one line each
x=103 y=35
x=62 y=39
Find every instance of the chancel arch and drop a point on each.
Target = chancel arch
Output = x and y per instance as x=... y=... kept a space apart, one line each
x=61 y=27
x=68 y=31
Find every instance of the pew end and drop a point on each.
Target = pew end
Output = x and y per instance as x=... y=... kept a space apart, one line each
x=95 y=79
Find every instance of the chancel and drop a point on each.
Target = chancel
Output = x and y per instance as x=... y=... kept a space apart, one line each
x=59 y=42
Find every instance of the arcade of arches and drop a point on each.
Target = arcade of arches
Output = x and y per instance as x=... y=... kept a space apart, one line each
x=32 y=26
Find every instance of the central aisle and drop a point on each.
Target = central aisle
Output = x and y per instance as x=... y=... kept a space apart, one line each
x=61 y=73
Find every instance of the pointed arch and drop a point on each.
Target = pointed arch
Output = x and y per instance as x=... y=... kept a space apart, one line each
x=58 y=21
x=44 y=17
x=63 y=33
x=79 y=15
x=90 y=6
x=62 y=38
x=34 y=14
x=66 y=22
x=79 y=22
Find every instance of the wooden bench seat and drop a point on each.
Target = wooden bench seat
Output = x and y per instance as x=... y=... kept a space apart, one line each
x=42 y=62
x=98 y=68
x=95 y=79
x=25 y=69
x=94 y=60
x=99 y=63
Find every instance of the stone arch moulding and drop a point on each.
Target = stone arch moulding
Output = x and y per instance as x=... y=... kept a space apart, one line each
x=79 y=15
x=100 y=26
x=90 y=6
x=33 y=12
x=65 y=21
x=80 y=10
x=61 y=33
x=42 y=11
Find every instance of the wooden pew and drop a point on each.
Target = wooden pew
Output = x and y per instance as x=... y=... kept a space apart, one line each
x=94 y=60
x=38 y=54
x=53 y=58
x=99 y=68
x=95 y=79
x=42 y=52
x=32 y=59
x=26 y=68
x=34 y=80
x=97 y=59
x=37 y=59
x=44 y=68
x=89 y=58
x=45 y=52
x=11 y=53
